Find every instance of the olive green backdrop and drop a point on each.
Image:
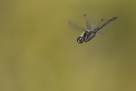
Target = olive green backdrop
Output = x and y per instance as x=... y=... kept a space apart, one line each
x=39 y=52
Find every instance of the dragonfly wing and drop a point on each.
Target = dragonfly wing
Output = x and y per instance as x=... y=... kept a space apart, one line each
x=102 y=26
x=88 y=26
x=105 y=29
x=75 y=26
x=90 y=23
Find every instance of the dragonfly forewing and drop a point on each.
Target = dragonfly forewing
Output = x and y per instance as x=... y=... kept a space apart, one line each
x=90 y=23
x=76 y=26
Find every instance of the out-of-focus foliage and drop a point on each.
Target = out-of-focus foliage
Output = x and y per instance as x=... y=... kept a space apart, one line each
x=39 y=52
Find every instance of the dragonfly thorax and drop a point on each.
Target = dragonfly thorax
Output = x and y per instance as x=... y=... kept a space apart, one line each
x=84 y=36
x=89 y=30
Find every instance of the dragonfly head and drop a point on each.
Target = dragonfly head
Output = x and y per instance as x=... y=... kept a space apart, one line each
x=80 y=40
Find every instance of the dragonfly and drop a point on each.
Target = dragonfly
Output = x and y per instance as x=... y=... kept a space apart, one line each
x=91 y=28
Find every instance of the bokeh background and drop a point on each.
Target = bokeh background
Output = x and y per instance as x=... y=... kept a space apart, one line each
x=39 y=52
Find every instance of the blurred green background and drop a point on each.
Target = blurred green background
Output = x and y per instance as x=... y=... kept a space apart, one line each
x=39 y=52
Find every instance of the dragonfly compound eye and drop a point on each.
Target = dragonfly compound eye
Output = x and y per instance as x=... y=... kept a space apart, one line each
x=80 y=40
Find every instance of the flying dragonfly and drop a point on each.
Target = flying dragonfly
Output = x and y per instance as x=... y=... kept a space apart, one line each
x=91 y=28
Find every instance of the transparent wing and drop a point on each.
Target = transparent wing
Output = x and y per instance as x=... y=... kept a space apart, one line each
x=105 y=29
x=75 y=26
x=90 y=23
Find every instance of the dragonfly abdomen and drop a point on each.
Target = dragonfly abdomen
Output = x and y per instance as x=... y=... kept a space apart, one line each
x=112 y=19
